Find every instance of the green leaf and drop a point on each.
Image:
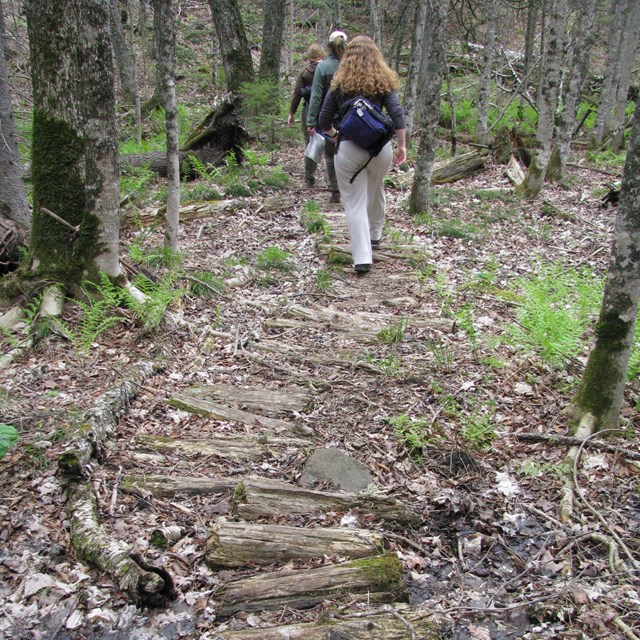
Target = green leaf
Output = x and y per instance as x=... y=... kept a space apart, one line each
x=8 y=437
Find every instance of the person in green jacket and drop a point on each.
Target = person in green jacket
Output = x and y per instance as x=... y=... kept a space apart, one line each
x=319 y=89
x=302 y=93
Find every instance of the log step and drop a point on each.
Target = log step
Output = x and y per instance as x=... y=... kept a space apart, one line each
x=203 y=407
x=234 y=447
x=239 y=544
x=399 y=622
x=374 y=580
x=162 y=486
x=256 y=498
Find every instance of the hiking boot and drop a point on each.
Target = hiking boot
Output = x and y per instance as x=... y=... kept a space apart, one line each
x=375 y=244
x=310 y=182
x=335 y=197
x=361 y=269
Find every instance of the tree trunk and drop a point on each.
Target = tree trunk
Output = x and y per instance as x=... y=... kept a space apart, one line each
x=273 y=16
x=602 y=387
x=577 y=72
x=484 y=89
x=166 y=44
x=529 y=42
x=411 y=85
x=376 y=28
x=75 y=159
x=13 y=196
x=547 y=102
x=430 y=79
x=234 y=49
x=602 y=125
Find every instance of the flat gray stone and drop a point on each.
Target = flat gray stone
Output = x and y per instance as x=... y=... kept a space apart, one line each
x=335 y=466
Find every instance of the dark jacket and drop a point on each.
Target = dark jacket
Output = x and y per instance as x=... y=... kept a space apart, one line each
x=302 y=87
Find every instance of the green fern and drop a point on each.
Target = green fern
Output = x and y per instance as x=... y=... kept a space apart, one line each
x=159 y=296
x=8 y=437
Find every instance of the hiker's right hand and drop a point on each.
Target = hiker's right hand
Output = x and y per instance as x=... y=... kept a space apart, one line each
x=311 y=130
x=291 y=120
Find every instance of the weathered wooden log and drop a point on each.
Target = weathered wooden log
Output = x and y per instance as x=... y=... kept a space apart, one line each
x=256 y=498
x=514 y=171
x=458 y=167
x=267 y=401
x=203 y=407
x=393 y=622
x=234 y=447
x=100 y=421
x=146 y=585
x=162 y=486
x=377 y=579
x=238 y=544
x=567 y=441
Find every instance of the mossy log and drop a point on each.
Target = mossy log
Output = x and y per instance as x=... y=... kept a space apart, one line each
x=146 y=585
x=399 y=622
x=267 y=401
x=262 y=498
x=238 y=544
x=163 y=486
x=100 y=421
x=233 y=447
x=204 y=407
x=374 y=580
x=450 y=170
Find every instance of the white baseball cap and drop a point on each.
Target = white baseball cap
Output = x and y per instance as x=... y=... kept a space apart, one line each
x=337 y=34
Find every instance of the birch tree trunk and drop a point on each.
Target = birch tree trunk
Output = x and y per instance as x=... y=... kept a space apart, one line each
x=583 y=37
x=232 y=39
x=602 y=387
x=75 y=157
x=556 y=18
x=411 y=85
x=484 y=89
x=430 y=79
x=13 y=195
x=273 y=16
x=376 y=28
x=166 y=45
x=602 y=126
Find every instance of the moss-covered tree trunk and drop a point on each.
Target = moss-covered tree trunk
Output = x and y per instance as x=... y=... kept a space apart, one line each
x=75 y=160
x=602 y=387
x=551 y=73
x=430 y=79
x=234 y=48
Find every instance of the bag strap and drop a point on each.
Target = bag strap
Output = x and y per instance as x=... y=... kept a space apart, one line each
x=364 y=166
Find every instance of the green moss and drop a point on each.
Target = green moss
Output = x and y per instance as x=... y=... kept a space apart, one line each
x=239 y=496
x=384 y=572
x=612 y=331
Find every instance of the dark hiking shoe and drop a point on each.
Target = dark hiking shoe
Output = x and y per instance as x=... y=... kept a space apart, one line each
x=375 y=244
x=335 y=197
x=361 y=269
x=310 y=182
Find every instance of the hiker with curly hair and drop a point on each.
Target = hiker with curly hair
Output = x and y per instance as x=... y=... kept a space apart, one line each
x=302 y=93
x=321 y=84
x=363 y=72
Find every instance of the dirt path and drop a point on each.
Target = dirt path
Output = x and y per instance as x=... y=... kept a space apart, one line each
x=204 y=475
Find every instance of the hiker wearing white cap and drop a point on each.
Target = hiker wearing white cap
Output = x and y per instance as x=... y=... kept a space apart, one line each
x=321 y=83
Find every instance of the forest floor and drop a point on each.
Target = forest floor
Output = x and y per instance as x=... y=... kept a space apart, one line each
x=432 y=410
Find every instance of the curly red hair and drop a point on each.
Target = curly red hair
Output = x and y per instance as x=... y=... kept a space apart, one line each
x=363 y=70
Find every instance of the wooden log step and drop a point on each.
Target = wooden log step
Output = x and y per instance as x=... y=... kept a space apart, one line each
x=238 y=544
x=375 y=580
x=204 y=407
x=162 y=486
x=256 y=498
x=265 y=401
x=234 y=447
x=399 y=622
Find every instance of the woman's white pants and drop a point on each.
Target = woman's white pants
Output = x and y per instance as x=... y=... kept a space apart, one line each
x=363 y=199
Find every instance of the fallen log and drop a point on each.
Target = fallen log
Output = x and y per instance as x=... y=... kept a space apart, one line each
x=393 y=622
x=374 y=580
x=567 y=441
x=234 y=447
x=100 y=421
x=203 y=407
x=145 y=584
x=238 y=544
x=450 y=170
x=256 y=498
x=162 y=486
x=514 y=171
